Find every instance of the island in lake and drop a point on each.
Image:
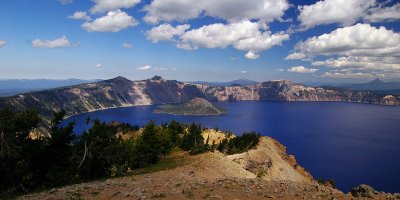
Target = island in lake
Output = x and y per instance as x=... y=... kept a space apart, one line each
x=196 y=106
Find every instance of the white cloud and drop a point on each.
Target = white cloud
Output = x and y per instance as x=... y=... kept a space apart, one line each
x=383 y=65
x=165 y=32
x=261 y=41
x=114 y=21
x=80 y=15
x=359 y=39
x=384 y=14
x=243 y=72
x=356 y=51
x=2 y=43
x=230 y=10
x=344 y=12
x=251 y=55
x=295 y=56
x=219 y=35
x=148 y=68
x=237 y=10
x=64 y=2
x=99 y=65
x=243 y=35
x=62 y=42
x=144 y=68
x=127 y=45
x=302 y=69
x=110 y=5
x=170 y=10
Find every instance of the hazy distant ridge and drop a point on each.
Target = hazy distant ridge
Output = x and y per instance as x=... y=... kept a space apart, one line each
x=11 y=87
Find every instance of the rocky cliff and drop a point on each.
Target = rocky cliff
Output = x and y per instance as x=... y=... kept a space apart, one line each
x=120 y=92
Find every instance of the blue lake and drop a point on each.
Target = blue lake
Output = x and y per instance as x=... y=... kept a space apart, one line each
x=351 y=143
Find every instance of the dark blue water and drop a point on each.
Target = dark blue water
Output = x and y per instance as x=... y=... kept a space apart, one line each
x=351 y=143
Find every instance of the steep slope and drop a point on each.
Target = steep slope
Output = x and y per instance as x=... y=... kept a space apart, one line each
x=170 y=91
x=116 y=92
x=211 y=173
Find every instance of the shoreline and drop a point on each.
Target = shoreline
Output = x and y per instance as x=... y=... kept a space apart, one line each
x=127 y=106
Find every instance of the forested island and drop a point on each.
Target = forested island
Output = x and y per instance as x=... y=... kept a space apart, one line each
x=196 y=106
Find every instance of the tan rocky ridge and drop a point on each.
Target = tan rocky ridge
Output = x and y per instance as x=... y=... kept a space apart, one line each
x=264 y=172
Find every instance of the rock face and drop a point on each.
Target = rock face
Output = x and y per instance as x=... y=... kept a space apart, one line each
x=363 y=191
x=119 y=92
x=196 y=106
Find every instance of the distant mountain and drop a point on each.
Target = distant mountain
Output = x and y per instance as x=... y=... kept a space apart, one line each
x=120 y=92
x=238 y=82
x=15 y=86
x=374 y=85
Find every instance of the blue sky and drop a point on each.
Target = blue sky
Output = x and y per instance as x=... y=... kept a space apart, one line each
x=211 y=40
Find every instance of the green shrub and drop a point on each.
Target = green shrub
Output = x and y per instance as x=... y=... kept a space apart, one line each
x=239 y=144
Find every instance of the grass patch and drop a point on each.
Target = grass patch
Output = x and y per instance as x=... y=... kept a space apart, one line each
x=172 y=161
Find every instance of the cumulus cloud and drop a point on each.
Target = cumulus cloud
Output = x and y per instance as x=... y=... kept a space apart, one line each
x=110 y=5
x=62 y=42
x=356 y=50
x=243 y=72
x=148 y=68
x=2 y=43
x=230 y=10
x=99 y=65
x=237 y=10
x=114 y=21
x=381 y=14
x=302 y=69
x=245 y=27
x=243 y=35
x=344 y=12
x=251 y=55
x=387 y=64
x=295 y=56
x=171 y=10
x=127 y=45
x=145 y=68
x=166 y=32
x=359 y=39
x=80 y=15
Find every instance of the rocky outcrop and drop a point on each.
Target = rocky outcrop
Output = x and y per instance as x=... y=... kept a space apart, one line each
x=363 y=191
x=120 y=92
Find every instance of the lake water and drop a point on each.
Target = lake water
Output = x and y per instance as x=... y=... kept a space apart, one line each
x=351 y=143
